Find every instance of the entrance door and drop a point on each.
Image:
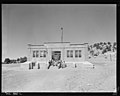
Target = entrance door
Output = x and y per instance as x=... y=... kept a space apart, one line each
x=56 y=55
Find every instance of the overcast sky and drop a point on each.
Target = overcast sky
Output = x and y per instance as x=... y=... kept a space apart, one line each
x=38 y=23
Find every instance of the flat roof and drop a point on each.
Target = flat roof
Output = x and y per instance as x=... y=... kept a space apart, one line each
x=34 y=45
x=79 y=44
x=54 y=42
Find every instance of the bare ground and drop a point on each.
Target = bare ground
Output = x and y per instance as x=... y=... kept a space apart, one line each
x=101 y=78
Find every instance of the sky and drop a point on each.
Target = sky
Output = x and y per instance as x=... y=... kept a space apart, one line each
x=24 y=24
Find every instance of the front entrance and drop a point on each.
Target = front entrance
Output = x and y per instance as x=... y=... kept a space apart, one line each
x=56 y=55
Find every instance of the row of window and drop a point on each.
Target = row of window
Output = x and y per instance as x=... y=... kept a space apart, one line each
x=70 y=53
x=42 y=53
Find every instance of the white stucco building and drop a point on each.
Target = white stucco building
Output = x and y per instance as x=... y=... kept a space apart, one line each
x=65 y=51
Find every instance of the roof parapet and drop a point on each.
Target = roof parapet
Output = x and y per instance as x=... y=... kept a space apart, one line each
x=34 y=45
x=54 y=42
x=79 y=44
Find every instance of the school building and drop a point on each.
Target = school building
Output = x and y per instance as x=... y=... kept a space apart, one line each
x=65 y=51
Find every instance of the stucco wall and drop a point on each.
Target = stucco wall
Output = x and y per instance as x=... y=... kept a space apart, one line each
x=74 y=59
x=59 y=47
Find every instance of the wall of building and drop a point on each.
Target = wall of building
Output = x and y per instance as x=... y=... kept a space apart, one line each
x=74 y=59
x=59 y=47
x=37 y=59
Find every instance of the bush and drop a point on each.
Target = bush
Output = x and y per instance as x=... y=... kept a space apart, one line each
x=7 y=61
x=105 y=47
x=22 y=60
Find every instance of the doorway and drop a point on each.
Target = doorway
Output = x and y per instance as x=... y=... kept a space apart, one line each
x=56 y=55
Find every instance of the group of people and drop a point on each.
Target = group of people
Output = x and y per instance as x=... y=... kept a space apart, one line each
x=57 y=63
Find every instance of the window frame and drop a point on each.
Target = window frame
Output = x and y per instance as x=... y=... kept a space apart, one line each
x=34 y=54
x=37 y=53
x=69 y=53
x=78 y=53
x=43 y=53
x=40 y=53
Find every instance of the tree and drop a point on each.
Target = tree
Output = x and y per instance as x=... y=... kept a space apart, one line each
x=115 y=43
x=101 y=43
x=101 y=48
x=109 y=43
x=11 y=61
x=104 y=43
x=114 y=46
x=25 y=59
x=91 y=46
x=97 y=46
x=88 y=48
x=18 y=59
x=7 y=61
x=94 y=45
x=104 y=51
x=109 y=48
x=22 y=60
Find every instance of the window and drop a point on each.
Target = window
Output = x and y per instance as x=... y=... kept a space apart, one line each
x=69 y=53
x=37 y=53
x=33 y=53
x=43 y=53
x=77 y=53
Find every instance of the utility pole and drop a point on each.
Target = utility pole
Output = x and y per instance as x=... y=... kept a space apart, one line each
x=62 y=35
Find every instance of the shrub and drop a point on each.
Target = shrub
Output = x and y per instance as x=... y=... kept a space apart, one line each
x=7 y=61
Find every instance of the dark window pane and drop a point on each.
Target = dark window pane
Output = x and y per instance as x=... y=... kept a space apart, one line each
x=79 y=53
x=40 y=53
x=76 y=53
x=67 y=53
x=44 y=53
x=36 y=53
x=71 y=53
x=33 y=53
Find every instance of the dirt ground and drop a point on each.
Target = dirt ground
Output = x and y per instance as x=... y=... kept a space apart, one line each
x=100 y=79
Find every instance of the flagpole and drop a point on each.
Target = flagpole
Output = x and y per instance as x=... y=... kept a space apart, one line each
x=62 y=42
x=62 y=35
